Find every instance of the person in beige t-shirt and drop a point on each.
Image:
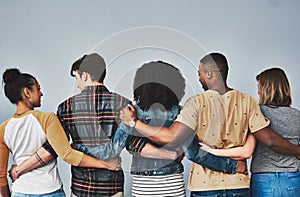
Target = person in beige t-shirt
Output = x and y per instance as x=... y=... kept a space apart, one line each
x=221 y=117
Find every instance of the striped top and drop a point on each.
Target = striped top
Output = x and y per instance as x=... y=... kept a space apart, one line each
x=91 y=118
x=159 y=186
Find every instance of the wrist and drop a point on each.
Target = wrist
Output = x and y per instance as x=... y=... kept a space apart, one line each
x=17 y=172
x=172 y=155
x=175 y=155
x=132 y=122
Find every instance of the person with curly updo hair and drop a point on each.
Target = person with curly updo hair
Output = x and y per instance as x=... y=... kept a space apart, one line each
x=25 y=132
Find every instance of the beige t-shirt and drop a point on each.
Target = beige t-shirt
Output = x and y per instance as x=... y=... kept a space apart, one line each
x=221 y=121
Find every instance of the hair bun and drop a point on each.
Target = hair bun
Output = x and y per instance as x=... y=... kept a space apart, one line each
x=10 y=75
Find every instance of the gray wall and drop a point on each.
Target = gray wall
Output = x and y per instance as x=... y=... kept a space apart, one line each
x=45 y=37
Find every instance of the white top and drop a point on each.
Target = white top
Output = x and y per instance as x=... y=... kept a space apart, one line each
x=24 y=136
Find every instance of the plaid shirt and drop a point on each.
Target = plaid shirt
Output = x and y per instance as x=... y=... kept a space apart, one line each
x=91 y=118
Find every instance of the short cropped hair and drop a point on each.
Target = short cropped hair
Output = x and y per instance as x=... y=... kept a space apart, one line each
x=93 y=64
x=217 y=61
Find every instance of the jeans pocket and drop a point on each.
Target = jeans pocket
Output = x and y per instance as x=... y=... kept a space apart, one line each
x=293 y=187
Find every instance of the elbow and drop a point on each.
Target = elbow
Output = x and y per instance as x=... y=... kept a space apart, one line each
x=171 y=140
x=248 y=155
x=163 y=141
x=270 y=143
x=249 y=151
x=168 y=139
x=66 y=158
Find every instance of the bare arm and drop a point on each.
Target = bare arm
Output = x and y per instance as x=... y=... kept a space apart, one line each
x=151 y=151
x=4 y=191
x=38 y=159
x=177 y=135
x=4 y=154
x=134 y=144
x=276 y=142
x=236 y=153
x=58 y=140
x=60 y=143
x=42 y=157
x=174 y=134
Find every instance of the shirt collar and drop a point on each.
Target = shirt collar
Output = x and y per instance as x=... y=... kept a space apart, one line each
x=95 y=88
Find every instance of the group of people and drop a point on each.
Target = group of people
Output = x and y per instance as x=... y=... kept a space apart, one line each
x=217 y=130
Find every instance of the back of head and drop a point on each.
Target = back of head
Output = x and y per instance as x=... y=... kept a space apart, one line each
x=274 y=88
x=14 y=82
x=217 y=61
x=158 y=82
x=92 y=64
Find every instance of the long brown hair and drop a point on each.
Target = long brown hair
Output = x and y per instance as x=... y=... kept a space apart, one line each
x=274 y=88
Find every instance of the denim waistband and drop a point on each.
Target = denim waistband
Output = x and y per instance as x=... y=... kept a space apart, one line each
x=275 y=174
x=160 y=171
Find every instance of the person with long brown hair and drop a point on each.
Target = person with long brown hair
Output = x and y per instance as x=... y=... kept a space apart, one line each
x=276 y=174
x=221 y=117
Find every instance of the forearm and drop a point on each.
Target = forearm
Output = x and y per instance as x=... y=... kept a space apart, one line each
x=91 y=162
x=276 y=142
x=4 y=191
x=160 y=135
x=38 y=159
x=172 y=136
x=59 y=142
x=236 y=153
x=78 y=158
x=151 y=151
x=176 y=133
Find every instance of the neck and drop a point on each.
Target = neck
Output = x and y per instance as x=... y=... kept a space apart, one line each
x=22 y=108
x=88 y=84
x=221 y=87
x=93 y=83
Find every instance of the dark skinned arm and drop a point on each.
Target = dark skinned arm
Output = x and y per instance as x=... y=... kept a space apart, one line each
x=276 y=142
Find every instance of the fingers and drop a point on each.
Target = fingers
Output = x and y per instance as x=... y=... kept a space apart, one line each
x=242 y=167
x=114 y=163
x=118 y=167
x=12 y=173
x=127 y=114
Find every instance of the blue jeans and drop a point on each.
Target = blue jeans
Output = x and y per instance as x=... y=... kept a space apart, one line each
x=245 y=192
x=275 y=184
x=57 y=193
